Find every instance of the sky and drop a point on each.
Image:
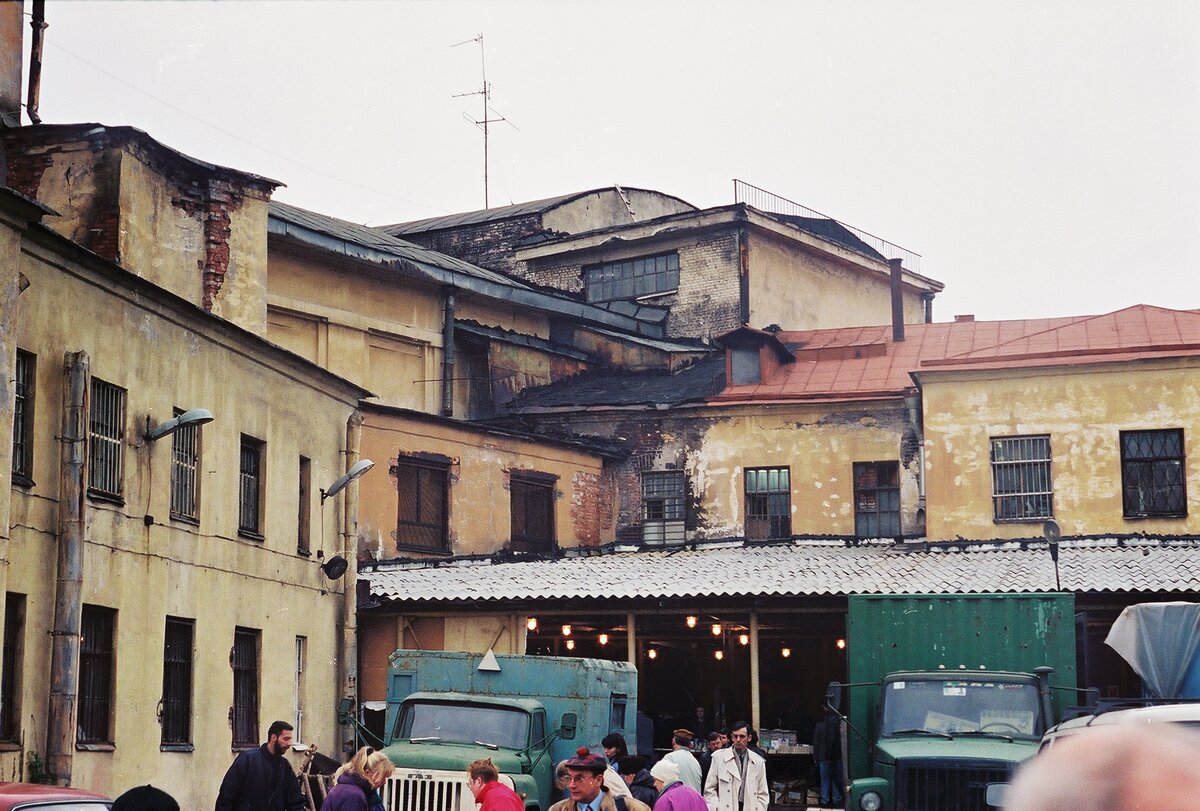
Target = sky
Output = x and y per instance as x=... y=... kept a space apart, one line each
x=1043 y=158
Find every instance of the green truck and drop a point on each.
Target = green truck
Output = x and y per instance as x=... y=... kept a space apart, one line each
x=949 y=693
x=446 y=709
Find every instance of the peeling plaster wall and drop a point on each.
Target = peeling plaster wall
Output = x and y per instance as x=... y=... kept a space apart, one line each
x=606 y=208
x=1083 y=411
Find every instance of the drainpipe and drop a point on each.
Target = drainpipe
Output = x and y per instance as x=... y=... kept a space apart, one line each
x=744 y=274
x=448 y=356
x=897 y=301
x=755 y=693
x=68 y=600
x=38 y=24
x=349 y=653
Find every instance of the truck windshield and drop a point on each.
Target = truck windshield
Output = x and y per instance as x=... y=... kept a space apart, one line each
x=939 y=707
x=464 y=723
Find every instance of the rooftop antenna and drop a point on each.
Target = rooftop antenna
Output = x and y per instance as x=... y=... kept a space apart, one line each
x=488 y=112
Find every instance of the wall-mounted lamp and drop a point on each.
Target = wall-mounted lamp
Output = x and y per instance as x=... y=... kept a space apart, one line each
x=718 y=654
x=785 y=652
x=531 y=623
x=566 y=630
x=357 y=469
x=196 y=416
x=602 y=639
x=716 y=629
x=841 y=644
x=570 y=644
x=652 y=653
x=691 y=621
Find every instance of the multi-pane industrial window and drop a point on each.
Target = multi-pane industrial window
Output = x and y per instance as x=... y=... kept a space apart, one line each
x=663 y=506
x=185 y=485
x=421 y=515
x=877 y=499
x=301 y=667
x=10 y=676
x=532 y=513
x=1152 y=473
x=106 y=445
x=22 y=450
x=95 y=674
x=250 y=487
x=1021 y=488
x=632 y=278
x=244 y=659
x=177 y=683
x=768 y=503
x=303 y=519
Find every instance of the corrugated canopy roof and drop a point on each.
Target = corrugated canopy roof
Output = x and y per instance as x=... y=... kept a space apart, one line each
x=809 y=567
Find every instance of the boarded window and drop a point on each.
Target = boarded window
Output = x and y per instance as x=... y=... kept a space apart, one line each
x=250 y=487
x=244 y=659
x=768 y=503
x=22 y=450
x=632 y=278
x=423 y=493
x=177 y=683
x=877 y=499
x=1021 y=488
x=532 y=513
x=304 y=508
x=95 y=675
x=106 y=445
x=663 y=504
x=185 y=463
x=10 y=680
x=1152 y=478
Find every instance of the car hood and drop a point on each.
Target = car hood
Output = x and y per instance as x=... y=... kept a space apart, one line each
x=453 y=757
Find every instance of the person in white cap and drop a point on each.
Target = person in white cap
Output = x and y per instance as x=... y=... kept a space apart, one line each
x=674 y=795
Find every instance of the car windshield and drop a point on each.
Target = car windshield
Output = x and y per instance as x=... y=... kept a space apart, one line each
x=464 y=723
x=969 y=707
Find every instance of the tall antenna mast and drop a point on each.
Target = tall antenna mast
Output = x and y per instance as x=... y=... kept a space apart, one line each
x=486 y=92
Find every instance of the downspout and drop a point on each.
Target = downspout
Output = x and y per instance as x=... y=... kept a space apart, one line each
x=349 y=653
x=37 y=41
x=68 y=600
x=448 y=356
x=744 y=274
x=896 y=266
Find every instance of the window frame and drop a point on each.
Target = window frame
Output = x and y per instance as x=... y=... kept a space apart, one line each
x=13 y=671
x=1016 y=497
x=762 y=509
x=664 y=506
x=1153 y=463
x=106 y=448
x=424 y=473
x=876 y=494
x=24 y=409
x=245 y=658
x=251 y=486
x=178 y=685
x=605 y=281
x=186 y=447
x=300 y=685
x=304 y=508
x=530 y=488
x=97 y=675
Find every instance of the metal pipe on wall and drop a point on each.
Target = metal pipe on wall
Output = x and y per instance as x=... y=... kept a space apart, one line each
x=755 y=693
x=349 y=550
x=631 y=639
x=37 y=46
x=448 y=356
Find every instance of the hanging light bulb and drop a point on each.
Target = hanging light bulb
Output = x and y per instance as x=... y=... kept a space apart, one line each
x=652 y=653
x=691 y=620
x=744 y=639
x=785 y=653
x=716 y=629
x=570 y=644
x=531 y=623
x=718 y=654
x=566 y=630
x=602 y=639
x=841 y=644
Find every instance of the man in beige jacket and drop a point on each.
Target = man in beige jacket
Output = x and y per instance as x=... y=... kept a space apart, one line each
x=737 y=779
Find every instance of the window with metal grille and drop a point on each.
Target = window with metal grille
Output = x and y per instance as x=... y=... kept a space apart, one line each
x=632 y=278
x=768 y=503
x=10 y=676
x=303 y=517
x=532 y=513
x=663 y=506
x=22 y=450
x=1021 y=488
x=250 y=487
x=244 y=659
x=301 y=667
x=423 y=495
x=877 y=499
x=95 y=675
x=177 y=683
x=106 y=446
x=185 y=461
x=1152 y=474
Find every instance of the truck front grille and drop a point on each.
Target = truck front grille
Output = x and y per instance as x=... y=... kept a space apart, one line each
x=416 y=792
x=946 y=786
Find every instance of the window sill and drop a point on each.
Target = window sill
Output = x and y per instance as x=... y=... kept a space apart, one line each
x=237 y=749
x=22 y=481
x=185 y=519
x=177 y=747
x=107 y=498
x=304 y=553
x=423 y=549
x=10 y=746
x=95 y=747
x=1149 y=517
x=250 y=535
x=1022 y=520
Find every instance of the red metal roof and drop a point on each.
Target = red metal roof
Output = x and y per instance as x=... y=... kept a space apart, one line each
x=855 y=363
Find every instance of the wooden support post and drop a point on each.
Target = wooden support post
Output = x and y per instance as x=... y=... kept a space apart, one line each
x=755 y=709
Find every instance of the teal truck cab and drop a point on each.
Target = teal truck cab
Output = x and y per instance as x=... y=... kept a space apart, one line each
x=447 y=709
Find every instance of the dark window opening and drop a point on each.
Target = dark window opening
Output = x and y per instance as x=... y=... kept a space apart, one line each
x=250 y=487
x=106 y=445
x=877 y=499
x=532 y=514
x=244 y=659
x=746 y=365
x=10 y=676
x=177 y=683
x=185 y=464
x=304 y=510
x=423 y=493
x=23 y=404
x=95 y=675
x=1021 y=488
x=663 y=506
x=1152 y=474
x=768 y=503
x=632 y=278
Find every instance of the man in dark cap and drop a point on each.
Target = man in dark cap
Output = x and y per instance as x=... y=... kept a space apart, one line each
x=585 y=782
x=145 y=798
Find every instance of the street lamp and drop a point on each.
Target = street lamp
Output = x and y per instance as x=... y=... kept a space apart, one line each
x=1052 y=532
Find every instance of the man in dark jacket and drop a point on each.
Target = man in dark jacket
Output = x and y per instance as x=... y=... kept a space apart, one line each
x=641 y=784
x=261 y=779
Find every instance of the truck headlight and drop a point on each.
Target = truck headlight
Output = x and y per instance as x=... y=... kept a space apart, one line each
x=870 y=801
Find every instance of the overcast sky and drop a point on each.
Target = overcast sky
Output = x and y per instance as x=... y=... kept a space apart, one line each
x=1043 y=158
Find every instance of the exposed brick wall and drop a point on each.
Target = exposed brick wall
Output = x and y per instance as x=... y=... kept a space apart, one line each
x=213 y=204
x=585 y=507
x=490 y=244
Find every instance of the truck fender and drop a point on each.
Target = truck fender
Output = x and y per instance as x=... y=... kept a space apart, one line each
x=866 y=785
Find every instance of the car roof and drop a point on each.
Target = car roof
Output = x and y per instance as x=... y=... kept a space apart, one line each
x=13 y=795
x=1188 y=713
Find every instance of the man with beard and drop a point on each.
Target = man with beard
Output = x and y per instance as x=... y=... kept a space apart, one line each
x=261 y=779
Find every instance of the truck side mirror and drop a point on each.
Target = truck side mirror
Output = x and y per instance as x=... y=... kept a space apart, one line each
x=833 y=697
x=566 y=729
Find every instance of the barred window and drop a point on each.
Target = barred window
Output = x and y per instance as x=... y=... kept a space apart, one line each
x=532 y=512
x=423 y=493
x=250 y=487
x=22 y=450
x=185 y=462
x=244 y=659
x=632 y=278
x=106 y=447
x=877 y=499
x=14 y=654
x=301 y=668
x=1152 y=474
x=768 y=503
x=1021 y=489
x=95 y=675
x=663 y=506
x=177 y=683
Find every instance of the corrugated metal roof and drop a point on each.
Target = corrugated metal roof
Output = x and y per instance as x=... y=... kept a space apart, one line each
x=612 y=387
x=809 y=567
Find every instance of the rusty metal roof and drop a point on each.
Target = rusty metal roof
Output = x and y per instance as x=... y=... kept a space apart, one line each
x=803 y=567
